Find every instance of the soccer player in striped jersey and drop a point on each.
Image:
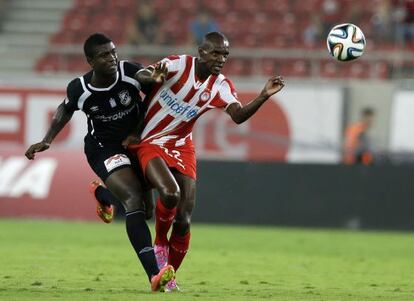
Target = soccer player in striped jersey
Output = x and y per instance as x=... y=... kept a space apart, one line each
x=183 y=88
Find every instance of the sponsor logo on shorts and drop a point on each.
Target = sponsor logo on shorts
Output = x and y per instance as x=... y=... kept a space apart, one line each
x=124 y=97
x=116 y=161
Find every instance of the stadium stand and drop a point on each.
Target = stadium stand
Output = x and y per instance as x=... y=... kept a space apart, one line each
x=281 y=25
x=26 y=27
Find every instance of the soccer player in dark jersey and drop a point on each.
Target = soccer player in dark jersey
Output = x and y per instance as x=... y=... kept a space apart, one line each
x=109 y=96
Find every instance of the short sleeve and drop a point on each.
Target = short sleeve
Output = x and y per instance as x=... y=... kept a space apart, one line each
x=73 y=92
x=131 y=68
x=172 y=62
x=225 y=96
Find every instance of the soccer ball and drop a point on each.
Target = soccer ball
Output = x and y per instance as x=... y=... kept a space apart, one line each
x=346 y=42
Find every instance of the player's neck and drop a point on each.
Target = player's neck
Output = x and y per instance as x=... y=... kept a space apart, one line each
x=102 y=81
x=201 y=70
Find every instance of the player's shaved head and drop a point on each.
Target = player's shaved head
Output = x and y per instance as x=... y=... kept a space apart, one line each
x=213 y=53
x=214 y=39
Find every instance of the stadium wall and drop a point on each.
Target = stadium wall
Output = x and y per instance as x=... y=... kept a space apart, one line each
x=306 y=195
x=55 y=185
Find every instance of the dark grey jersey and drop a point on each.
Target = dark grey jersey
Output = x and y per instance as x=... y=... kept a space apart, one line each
x=112 y=112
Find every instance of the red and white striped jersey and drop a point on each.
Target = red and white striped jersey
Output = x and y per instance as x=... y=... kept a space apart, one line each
x=175 y=105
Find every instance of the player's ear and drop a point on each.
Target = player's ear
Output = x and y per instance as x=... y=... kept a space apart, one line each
x=201 y=52
x=90 y=61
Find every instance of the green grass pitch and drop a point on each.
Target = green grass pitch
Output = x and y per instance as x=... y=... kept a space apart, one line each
x=52 y=260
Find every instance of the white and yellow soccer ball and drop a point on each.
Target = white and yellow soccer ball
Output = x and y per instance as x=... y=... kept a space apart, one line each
x=346 y=42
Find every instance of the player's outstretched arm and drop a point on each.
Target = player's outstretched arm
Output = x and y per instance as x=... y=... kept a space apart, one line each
x=152 y=75
x=60 y=118
x=240 y=114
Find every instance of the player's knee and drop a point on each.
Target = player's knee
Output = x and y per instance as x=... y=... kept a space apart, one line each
x=182 y=224
x=170 y=197
x=133 y=203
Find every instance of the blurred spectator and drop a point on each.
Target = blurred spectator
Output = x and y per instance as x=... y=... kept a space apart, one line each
x=314 y=31
x=381 y=21
x=403 y=17
x=357 y=145
x=355 y=13
x=200 y=26
x=331 y=12
x=145 y=29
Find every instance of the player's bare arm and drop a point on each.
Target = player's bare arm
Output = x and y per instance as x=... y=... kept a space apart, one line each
x=60 y=118
x=240 y=114
x=152 y=75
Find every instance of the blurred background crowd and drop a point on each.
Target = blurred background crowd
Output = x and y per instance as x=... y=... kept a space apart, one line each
x=288 y=35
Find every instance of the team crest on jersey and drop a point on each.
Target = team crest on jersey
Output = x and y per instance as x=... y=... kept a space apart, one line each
x=125 y=97
x=205 y=96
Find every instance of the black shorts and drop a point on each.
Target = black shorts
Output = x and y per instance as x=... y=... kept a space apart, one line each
x=105 y=159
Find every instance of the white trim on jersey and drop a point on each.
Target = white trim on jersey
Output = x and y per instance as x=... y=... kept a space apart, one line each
x=107 y=88
x=127 y=78
x=225 y=93
x=86 y=93
x=91 y=120
x=174 y=65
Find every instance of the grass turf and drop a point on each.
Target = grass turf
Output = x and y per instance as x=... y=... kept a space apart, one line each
x=52 y=260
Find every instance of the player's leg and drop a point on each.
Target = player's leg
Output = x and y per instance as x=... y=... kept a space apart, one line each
x=180 y=236
x=149 y=203
x=159 y=175
x=96 y=156
x=124 y=184
x=105 y=201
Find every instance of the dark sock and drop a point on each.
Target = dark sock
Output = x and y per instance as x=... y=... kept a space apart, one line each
x=140 y=238
x=104 y=196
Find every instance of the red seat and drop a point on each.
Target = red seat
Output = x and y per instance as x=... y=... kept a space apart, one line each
x=356 y=69
x=295 y=68
x=279 y=6
x=217 y=7
x=48 y=63
x=380 y=70
x=330 y=69
x=268 y=67
x=77 y=63
x=89 y=4
x=235 y=66
x=187 y=7
x=247 y=6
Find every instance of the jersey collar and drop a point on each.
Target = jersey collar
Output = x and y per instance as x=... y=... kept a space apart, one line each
x=107 y=88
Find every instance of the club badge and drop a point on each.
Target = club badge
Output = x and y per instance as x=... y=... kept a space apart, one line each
x=124 y=97
x=205 y=96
